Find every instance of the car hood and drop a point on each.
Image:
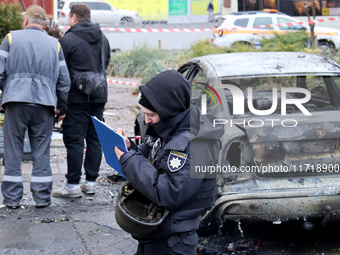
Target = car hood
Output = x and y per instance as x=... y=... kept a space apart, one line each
x=326 y=29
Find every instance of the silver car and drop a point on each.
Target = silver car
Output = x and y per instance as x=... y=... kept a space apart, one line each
x=280 y=157
x=102 y=13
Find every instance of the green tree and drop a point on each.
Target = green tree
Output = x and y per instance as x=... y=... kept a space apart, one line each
x=203 y=47
x=10 y=19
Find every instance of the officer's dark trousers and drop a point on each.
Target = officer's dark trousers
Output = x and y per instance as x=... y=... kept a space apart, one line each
x=77 y=127
x=38 y=120
x=179 y=244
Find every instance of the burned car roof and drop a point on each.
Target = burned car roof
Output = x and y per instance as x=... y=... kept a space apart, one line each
x=269 y=64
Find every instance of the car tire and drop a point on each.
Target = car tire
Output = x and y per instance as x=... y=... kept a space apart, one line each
x=126 y=21
x=325 y=46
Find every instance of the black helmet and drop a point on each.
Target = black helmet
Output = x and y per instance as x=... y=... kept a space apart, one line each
x=135 y=213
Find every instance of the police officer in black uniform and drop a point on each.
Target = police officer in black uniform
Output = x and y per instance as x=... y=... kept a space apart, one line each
x=160 y=168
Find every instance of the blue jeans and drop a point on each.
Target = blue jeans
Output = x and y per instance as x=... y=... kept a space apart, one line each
x=77 y=128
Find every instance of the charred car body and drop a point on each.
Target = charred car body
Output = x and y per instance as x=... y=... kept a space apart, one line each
x=280 y=157
x=280 y=154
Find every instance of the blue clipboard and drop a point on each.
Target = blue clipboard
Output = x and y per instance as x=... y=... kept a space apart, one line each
x=109 y=139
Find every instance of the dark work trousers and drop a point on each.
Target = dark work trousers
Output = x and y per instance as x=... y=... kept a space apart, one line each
x=77 y=127
x=38 y=120
x=178 y=244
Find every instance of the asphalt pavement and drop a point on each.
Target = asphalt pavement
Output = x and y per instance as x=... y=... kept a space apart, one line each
x=83 y=225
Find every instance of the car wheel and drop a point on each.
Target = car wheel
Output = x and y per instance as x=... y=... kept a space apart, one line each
x=326 y=47
x=126 y=21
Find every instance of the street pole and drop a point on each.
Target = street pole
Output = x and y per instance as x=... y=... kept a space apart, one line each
x=23 y=5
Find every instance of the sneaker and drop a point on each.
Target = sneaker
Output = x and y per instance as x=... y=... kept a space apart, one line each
x=88 y=187
x=67 y=190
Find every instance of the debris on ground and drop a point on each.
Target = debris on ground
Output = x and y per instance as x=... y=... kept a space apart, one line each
x=227 y=243
x=250 y=244
x=61 y=218
x=116 y=179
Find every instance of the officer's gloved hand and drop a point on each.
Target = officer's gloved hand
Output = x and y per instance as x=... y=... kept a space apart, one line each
x=60 y=115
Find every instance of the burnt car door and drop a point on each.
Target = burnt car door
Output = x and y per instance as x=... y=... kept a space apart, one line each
x=301 y=138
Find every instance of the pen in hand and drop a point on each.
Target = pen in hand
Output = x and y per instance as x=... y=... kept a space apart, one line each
x=122 y=132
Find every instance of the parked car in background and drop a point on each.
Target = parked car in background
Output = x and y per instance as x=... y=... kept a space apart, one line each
x=102 y=13
x=280 y=156
x=248 y=27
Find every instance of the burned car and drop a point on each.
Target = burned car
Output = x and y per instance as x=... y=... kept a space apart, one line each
x=280 y=157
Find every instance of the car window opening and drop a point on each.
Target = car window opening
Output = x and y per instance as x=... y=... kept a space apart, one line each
x=322 y=96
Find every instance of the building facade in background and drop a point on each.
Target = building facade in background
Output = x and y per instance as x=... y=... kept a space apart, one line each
x=48 y=5
x=195 y=11
x=167 y=10
x=290 y=7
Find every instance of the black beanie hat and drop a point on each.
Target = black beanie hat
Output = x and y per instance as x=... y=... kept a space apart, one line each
x=168 y=93
x=145 y=102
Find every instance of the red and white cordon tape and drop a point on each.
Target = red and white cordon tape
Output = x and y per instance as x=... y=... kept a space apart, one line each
x=156 y=30
x=150 y=30
x=122 y=82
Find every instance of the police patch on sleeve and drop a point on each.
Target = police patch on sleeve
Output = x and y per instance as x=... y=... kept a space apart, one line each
x=176 y=160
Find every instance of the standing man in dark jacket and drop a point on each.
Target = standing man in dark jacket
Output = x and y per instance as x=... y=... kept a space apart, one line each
x=35 y=82
x=210 y=9
x=82 y=46
x=160 y=168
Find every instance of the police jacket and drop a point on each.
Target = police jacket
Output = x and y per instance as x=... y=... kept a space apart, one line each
x=162 y=172
x=82 y=45
x=33 y=69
